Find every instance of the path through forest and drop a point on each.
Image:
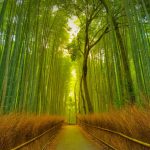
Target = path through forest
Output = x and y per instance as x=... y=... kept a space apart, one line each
x=71 y=138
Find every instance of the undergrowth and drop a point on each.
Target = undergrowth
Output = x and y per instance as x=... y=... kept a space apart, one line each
x=132 y=122
x=17 y=129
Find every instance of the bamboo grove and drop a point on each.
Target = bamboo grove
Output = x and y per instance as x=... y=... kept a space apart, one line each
x=32 y=66
x=110 y=53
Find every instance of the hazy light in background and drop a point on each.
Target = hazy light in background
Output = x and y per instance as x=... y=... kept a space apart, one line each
x=71 y=94
x=66 y=53
x=74 y=28
x=54 y=9
x=70 y=101
x=73 y=73
x=73 y=31
x=72 y=82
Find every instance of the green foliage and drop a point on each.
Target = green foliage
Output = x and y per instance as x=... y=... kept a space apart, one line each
x=111 y=52
x=32 y=64
x=74 y=50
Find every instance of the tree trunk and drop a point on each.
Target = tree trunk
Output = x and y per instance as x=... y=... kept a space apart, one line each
x=123 y=54
x=84 y=69
x=86 y=91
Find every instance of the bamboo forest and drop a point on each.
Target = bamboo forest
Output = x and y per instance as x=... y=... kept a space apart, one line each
x=74 y=74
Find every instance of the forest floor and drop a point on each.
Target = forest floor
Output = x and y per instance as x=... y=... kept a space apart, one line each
x=71 y=137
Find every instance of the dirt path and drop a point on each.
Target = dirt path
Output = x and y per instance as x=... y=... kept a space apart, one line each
x=71 y=138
